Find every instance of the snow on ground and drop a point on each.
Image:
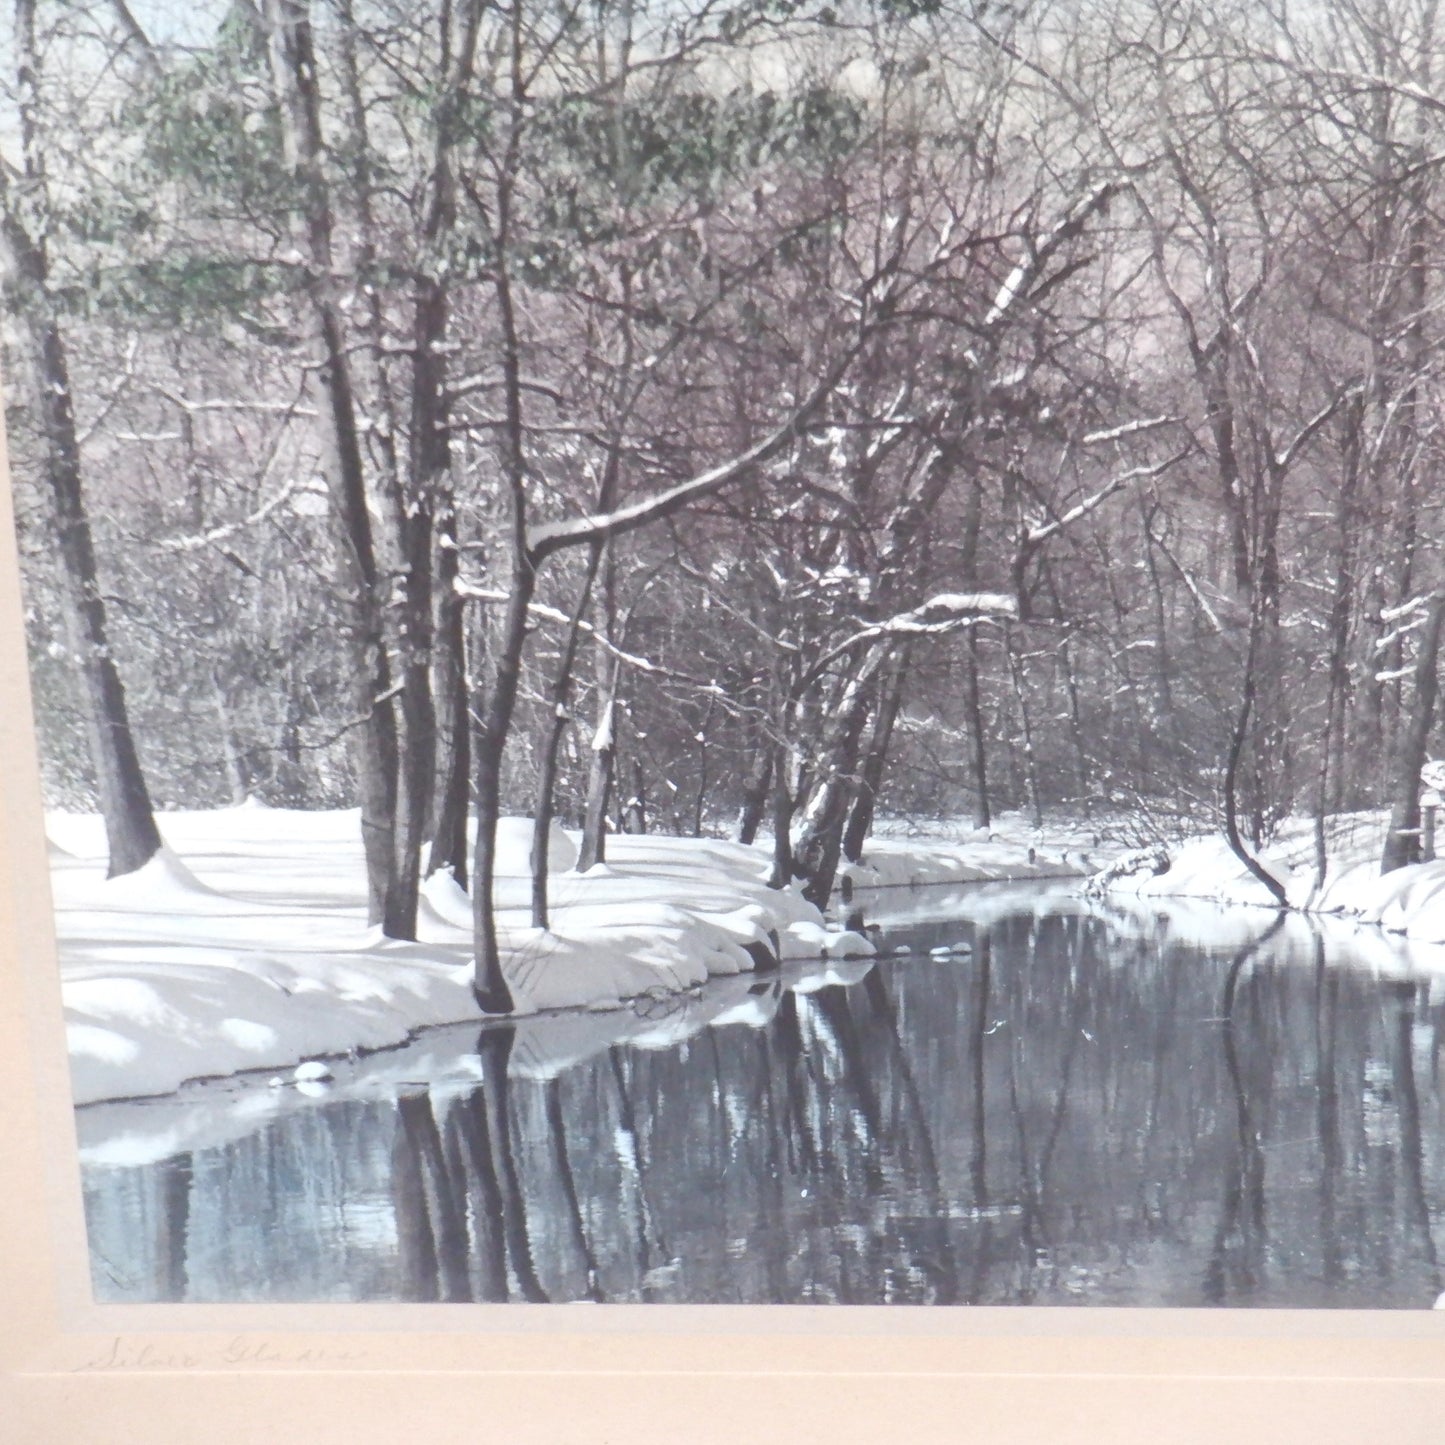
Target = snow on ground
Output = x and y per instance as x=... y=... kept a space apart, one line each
x=244 y=944
x=1409 y=901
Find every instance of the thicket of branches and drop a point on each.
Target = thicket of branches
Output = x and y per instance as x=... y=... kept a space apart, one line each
x=725 y=414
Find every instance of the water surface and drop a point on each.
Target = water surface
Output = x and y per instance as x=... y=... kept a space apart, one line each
x=1087 y=1107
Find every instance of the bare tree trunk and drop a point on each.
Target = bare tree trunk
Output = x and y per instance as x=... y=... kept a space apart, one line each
x=408 y=501
x=412 y=500
x=451 y=801
x=1031 y=767
x=607 y=677
x=1231 y=776
x=875 y=761
x=819 y=844
x=782 y=873
x=238 y=782
x=430 y=458
x=1162 y=721
x=1271 y=754
x=700 y=802
x=490 y=986
x=634 y=810
x=132 y=837
x=816 y=851
x=288 y=777
x=1330 y=782
x=552 y=744
x=294 y=68
x=1162 y=686
x=755 y=796
x=978 y=753
x=429 y=484
x=973 y=694
x=1402 y=842
x=600 y=562
x=604 y=763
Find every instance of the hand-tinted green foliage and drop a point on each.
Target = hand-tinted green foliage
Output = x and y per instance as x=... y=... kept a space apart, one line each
x=103 y=217
x=206 y=134
x=833 y=14
x=221 y=145
x=598 y=155
x=910 y=9
x=599 y=163
x=183 y=286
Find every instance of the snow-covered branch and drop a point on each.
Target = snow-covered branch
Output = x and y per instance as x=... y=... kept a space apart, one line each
x=554 y=536
x=632 y=659
x=1283 y=459
x=1382 y=644
x=227 y=530
x=491 y=381
x=1018 y=288
x=228 y=404
x=546 y=613
x=1192 y=586
x=117 y=391
x=1359 y=80
x=946 y=612
x=1040 y=532
x=1127 y=429
x=1416 y=605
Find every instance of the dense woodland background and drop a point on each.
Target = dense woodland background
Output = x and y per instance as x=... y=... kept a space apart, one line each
x=726 y=415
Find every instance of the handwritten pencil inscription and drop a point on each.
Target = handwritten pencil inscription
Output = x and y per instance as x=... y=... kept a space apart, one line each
x=129 y=1355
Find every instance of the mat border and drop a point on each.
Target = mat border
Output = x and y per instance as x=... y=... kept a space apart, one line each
x=71 y=1370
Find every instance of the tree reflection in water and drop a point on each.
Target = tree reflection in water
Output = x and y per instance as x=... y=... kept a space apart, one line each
x=1085 y=1108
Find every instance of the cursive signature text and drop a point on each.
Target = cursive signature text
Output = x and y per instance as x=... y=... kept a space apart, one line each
x=122 y=1354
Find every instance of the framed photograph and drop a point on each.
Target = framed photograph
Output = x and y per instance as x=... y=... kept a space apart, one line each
x=721 y=719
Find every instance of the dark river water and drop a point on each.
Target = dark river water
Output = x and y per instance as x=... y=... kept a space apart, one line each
x=1089 y=1107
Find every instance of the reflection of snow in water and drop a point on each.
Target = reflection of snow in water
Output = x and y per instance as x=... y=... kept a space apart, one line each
x=1051 y=1119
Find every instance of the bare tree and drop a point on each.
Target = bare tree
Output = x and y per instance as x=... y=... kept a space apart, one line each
x=131 y=832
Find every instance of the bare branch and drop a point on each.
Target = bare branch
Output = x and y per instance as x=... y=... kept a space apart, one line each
x=554 y=536
x=1040 y=532
x=136 y=40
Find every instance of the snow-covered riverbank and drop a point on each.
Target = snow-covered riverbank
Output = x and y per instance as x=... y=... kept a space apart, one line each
x=245 y=945
x=1409 y=901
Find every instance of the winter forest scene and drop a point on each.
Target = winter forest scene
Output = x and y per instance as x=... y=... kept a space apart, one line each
x=739 y=651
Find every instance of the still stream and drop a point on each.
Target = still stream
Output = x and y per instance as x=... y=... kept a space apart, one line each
x=1077 y=1105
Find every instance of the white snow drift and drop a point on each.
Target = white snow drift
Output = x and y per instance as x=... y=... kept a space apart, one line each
x=244 y=944
x=1408 y=901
